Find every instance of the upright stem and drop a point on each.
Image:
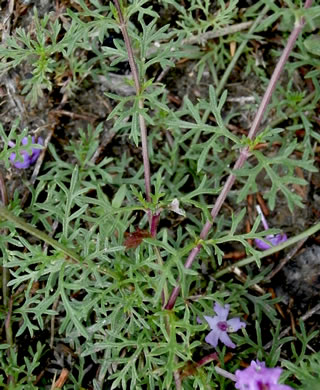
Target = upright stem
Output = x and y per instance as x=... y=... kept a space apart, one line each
x=5 y=270
x=244 y=154
x=276 y=74
x=142 y=123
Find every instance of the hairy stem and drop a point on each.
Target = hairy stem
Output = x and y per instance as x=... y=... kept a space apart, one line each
x=244 y=154
x=5 y=271
x=7 y=300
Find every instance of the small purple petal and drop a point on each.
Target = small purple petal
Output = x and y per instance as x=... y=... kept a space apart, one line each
x=220 y=326
x=235 y=324
x=21 y=164
x=225 y=339
x=257 y=377
x=212 y=321
x=212 y=338
x=257 y=365
x=27 y=159
x=36 y=152
x=261 y=244
x=273 y=239
x=282 y=237
x=280 y=387
x=221 y=311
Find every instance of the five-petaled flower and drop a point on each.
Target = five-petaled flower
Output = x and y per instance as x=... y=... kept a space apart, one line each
x=273 y=239
x=258 y=377
x=28 y=159
x=220 y=326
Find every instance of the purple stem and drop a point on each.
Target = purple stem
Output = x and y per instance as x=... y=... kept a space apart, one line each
x=244 y=154
x=5 y=270
x=143 y=127
x=208 y=359
x=154 y=224
x=263 y=219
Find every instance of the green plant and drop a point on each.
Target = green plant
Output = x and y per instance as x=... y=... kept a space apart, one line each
x=103 y=254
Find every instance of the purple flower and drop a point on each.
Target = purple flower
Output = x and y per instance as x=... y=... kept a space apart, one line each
x=273 y=239
x=27 y=158
x=220 y=326
x=258 y=377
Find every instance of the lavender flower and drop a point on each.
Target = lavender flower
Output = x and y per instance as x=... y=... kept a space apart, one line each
x=257 y=376
x=273 y=239
x=220 y=326
x=27 y=159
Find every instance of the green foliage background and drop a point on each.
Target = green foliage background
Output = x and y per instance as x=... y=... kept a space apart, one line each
x=102 y=300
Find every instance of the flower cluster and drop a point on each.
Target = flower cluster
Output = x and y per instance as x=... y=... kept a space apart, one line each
x=258 y=377
x=27 y=158
x=220 y=326
x=255 y=377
